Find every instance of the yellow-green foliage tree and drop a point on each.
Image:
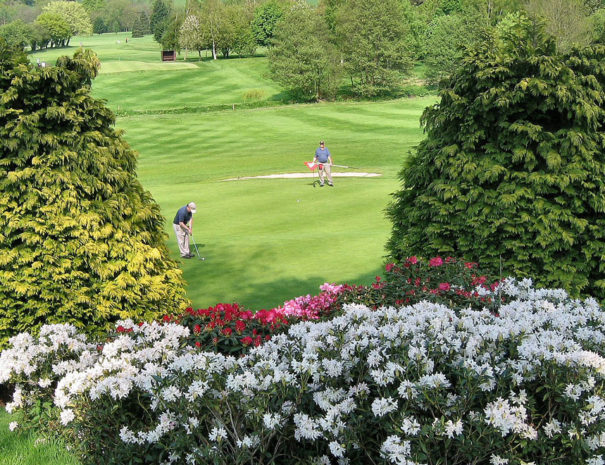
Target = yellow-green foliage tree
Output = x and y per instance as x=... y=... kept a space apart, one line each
x=80 y=240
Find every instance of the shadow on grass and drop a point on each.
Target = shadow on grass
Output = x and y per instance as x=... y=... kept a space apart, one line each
x=257 y=281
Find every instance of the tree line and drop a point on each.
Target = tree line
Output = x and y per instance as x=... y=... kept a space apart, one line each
x=370 y=46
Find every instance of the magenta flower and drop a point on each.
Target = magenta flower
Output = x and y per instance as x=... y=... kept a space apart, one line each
x=436 y=261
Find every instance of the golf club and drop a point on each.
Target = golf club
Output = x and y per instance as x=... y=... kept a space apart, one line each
x=196 y=249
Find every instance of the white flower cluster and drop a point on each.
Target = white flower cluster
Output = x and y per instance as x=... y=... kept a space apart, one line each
x=405 y=376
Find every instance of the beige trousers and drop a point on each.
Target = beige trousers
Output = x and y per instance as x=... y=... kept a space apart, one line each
x=182 y=239
x=327 y=171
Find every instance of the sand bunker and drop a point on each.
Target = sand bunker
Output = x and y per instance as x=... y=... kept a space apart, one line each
x=306 y=175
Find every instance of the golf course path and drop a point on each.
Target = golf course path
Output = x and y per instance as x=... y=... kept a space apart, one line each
x=305 y=175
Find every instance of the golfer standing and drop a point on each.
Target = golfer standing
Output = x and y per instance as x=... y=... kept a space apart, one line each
x=322 y=156
x=183 y=227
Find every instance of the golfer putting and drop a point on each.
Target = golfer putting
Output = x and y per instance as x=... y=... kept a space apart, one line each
x=183 y=228
x=324 y=161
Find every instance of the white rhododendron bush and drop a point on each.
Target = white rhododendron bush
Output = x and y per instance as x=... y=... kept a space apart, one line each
x=421 y=384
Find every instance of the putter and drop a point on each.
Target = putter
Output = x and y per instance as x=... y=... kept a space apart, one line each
x=196 y=249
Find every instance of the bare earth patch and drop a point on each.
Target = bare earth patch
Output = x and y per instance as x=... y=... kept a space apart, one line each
x=306 y=175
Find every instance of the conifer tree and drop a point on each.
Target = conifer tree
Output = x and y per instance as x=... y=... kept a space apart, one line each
x=80 y=240
x=511 y=171
x=144 y=19
x=137 y=28
x=160 y=15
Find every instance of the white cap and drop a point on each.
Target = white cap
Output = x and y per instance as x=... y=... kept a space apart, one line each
x=192 y=206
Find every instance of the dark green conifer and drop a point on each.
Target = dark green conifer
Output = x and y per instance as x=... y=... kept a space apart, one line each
x=512 y=170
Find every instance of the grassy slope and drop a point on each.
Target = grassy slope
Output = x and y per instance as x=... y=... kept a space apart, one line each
x=270 y=240
x=265 y=240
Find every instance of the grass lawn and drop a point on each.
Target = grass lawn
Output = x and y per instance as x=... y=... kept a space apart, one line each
x=26 y=449
x=133 y=79
x=266 y=241
x=270 y=240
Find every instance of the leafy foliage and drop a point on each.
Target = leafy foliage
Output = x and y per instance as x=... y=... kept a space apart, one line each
x=451 y=282
x=371 y=37
x=445 y=41
x=265 y=19
x=80 y=240
x=54 y=28
x=510 y=173
x=566 y=20
x=16 y=33
x=74 y=14
x=303 y=59
x=160 y=14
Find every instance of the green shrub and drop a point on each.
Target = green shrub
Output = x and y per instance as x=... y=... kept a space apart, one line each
x=254 y=94
x=80 y=240
x=511 y=171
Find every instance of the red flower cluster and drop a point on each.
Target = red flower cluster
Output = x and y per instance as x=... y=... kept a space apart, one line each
x=229 y=328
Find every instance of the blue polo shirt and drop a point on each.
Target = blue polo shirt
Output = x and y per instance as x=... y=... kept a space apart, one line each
x=322 y=154
x=182 y=216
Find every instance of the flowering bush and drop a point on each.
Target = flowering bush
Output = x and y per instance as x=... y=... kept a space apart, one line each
x=229 y=329
x=313 y=307
x=420 y=384
x=448 y=281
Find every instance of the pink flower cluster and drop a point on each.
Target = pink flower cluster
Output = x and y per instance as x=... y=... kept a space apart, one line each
x=312 y=307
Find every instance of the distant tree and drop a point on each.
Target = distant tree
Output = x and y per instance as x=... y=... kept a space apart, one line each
x=57 y=28
x=212 y=23
x=446 y=40
x=17 y=34
x=235 y=32
x=159 y=30
x=39 y=36
x=92 y=6
x=144 y=21
x=137 y=28
x=99 y=26
x=170 y=37
x=191 y=35
x=160 y=14
x=511 y=171
x=74 y=14
x=567 y=20
x=244 y=43
x=371 y=34
x=598 y=26
x=302 y=59
x=120 y=15
x=265 y=18
x=82 y=241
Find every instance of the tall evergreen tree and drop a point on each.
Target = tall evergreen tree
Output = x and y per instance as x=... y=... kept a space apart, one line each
x=160 y=14
x=511 y=171
x=80 y=240
x=137 y=28
x=144 y=20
